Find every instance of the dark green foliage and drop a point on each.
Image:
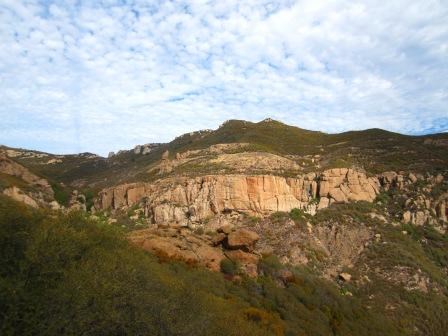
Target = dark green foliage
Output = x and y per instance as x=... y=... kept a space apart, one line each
x=90 y=195
x=299 y=217
x=61 y=194
x=382 y=198
x=229 y=267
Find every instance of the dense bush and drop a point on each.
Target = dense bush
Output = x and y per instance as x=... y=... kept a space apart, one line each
x=229 y=267
x=61 y=194
x=66 y=275
x=70 y=275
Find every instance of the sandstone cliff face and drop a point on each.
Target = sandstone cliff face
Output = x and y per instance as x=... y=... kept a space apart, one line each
x=346 y=185
x=180 y=201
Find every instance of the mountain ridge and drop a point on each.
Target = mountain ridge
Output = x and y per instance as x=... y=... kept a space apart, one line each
x=241 y=121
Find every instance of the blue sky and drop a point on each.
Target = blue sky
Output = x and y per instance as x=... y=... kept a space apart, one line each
x=100 y=76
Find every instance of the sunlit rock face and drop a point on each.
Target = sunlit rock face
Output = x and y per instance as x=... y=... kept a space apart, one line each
x=183 y=200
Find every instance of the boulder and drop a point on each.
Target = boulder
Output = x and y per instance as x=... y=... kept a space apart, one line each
x=54 y=205
x=167 y=248
x=407 y=216
x=218 y=238
x=247 y=261
x=18 y=195
x=226 y=229
x=345 y=277
x=242 y=239
x=210 y=257
x=420 y=218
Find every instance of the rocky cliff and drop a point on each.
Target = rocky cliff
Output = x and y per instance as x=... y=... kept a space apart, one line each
x=189 y=200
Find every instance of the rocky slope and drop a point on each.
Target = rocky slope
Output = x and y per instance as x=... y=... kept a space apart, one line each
x=22 y=185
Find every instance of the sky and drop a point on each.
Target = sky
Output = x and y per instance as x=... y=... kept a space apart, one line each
x=99 y=76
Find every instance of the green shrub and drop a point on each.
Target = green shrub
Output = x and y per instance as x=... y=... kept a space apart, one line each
x=269 y=265
x=229 y=267
x=61 y=194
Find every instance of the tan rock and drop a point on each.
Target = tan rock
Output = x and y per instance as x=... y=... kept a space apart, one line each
x=388 y=179
x=137 y=149
x=285 y=275
x=407 y=216
x=210 y=257
x=420 y=218
x=345 y=277
x=442 y=210
x=181 y=200
x=242 y=239
x=54 y=205
x=146 y=150
x=167 y=248
x=18 y=195
x=324 y=202
x=413 y=178
x=226 y=229
x=247 y=261
x=218 y=238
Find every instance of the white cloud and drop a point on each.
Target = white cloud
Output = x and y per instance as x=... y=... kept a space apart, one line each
x=100 y=78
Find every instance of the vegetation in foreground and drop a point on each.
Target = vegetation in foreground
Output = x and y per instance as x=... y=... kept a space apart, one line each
x=68 y=275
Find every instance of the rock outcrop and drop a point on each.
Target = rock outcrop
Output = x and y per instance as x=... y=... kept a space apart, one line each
x=242 y=239
x=18 y=195
x=30 y=188
x=183 y=200
x=200 y=249
x=77 y=201
x=342 y=185
x=10 y=167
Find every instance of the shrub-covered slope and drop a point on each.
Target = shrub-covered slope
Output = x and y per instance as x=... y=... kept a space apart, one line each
x=71 y=275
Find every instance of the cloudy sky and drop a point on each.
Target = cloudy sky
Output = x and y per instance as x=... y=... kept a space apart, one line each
x=105 y=75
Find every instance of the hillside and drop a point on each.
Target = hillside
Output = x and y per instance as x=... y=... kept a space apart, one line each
x=250 y=229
